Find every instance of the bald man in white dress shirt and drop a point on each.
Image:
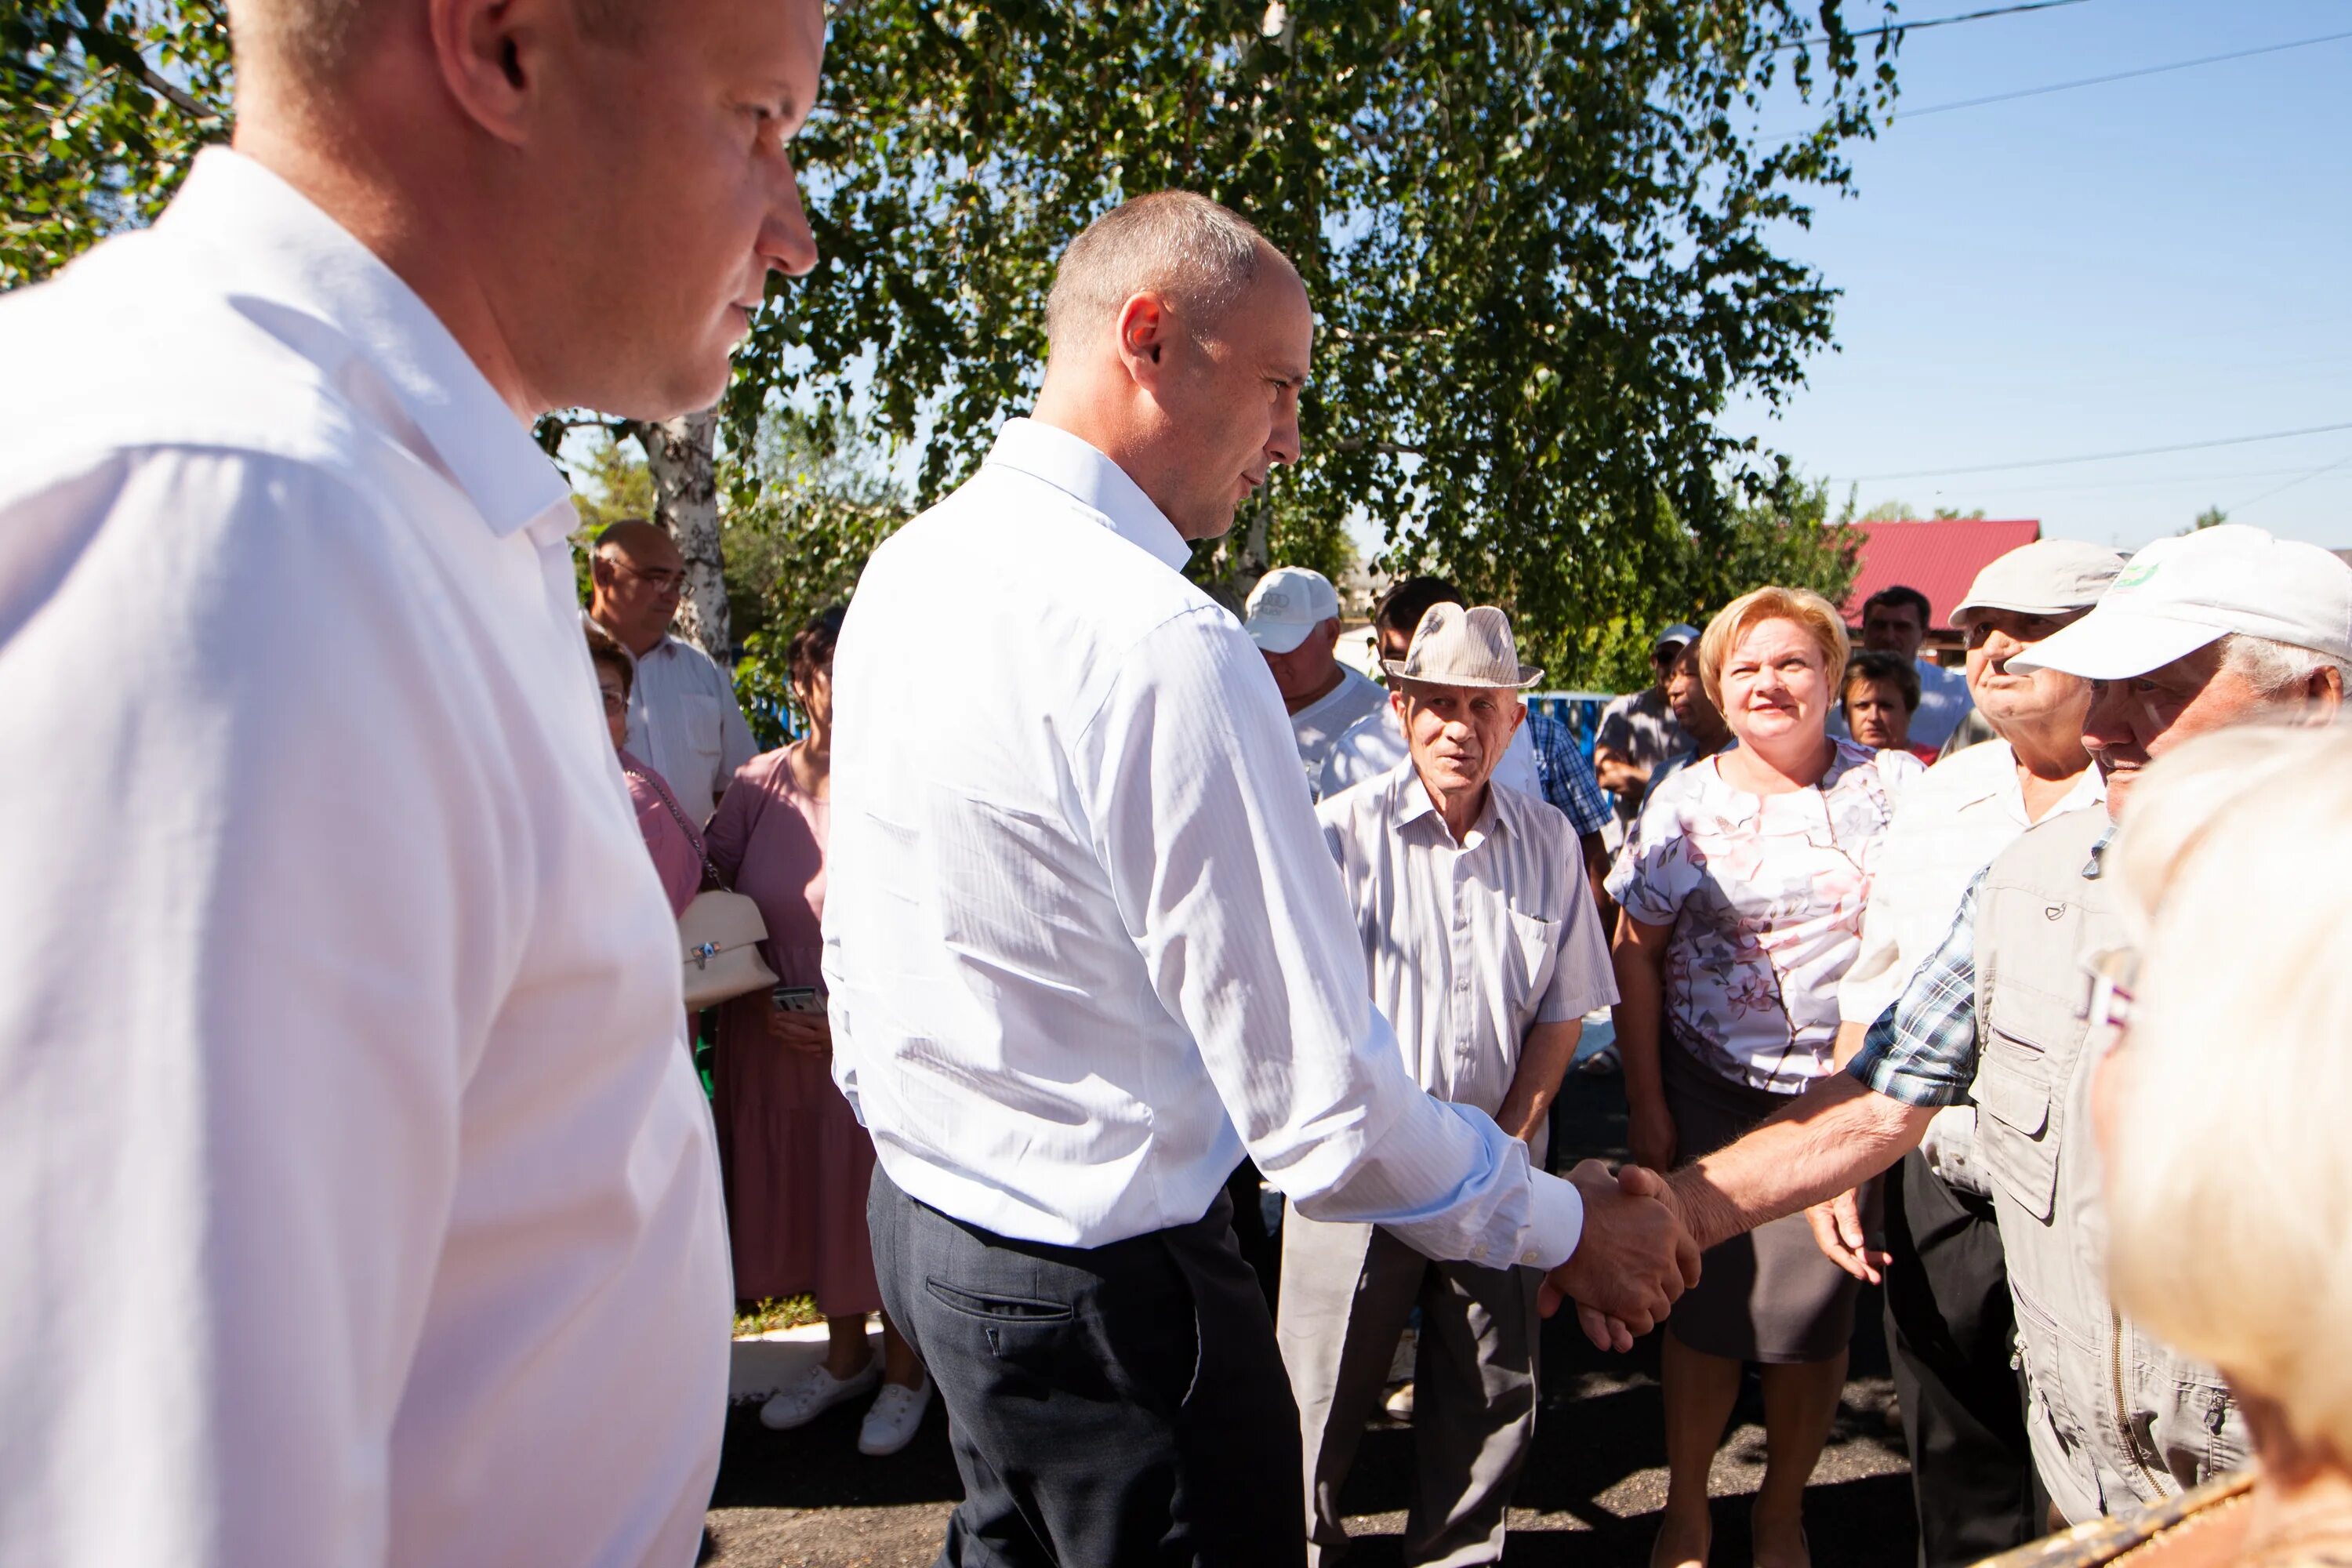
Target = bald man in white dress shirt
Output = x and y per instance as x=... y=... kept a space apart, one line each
x=359 y=1202
x=1086 y=948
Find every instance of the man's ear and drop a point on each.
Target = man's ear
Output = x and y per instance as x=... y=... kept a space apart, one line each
x=492 y=55
x=600 y=571
x=1146 y=332
x=2325 y=693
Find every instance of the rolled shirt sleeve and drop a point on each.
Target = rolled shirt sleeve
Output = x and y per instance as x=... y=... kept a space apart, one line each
x=1241 y=922
x=1923 y=1049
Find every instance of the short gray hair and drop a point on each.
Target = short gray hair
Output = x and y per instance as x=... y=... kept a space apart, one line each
x=1175 y=243
x=2279 y=668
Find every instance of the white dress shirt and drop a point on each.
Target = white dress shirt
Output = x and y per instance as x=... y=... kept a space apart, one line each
x=1080 y=924
x=684 y=721
x=1468 y=945
x=358 y=1202
x=1952 y=820
x=1322 y=722
x=1375 y=745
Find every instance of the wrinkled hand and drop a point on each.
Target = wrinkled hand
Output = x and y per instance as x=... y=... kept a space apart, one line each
x=1650 y=1133
x=808 y=1032
x=1633 y=1260
x=1837 y=1231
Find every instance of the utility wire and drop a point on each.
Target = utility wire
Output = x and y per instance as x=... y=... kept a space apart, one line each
x=2277 y=490
x=1901 y=114
x=2102 y=456
x=1935 y=22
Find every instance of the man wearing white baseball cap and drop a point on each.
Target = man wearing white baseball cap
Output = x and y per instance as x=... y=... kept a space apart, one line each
x=1293 y=615
x=2225 y=626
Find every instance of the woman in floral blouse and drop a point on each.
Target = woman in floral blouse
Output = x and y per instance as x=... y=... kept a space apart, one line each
x=1742 y=886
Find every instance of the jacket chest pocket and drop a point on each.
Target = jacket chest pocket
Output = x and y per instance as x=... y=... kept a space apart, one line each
x=2016 y=1094
x=1535 y=948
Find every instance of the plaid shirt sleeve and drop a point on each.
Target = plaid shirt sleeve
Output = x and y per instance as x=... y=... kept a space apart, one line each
x=1923 y=1048
x=1565 y=777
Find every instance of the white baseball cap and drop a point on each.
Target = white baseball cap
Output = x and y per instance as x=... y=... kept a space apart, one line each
x=2180 y=594
x=2047 y=577
x=1682 y=634
x=1287 y=603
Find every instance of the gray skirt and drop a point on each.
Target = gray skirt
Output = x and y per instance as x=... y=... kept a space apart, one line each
x=1768 y=1296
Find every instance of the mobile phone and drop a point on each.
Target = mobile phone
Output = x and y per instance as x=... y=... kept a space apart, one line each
x=798 y=999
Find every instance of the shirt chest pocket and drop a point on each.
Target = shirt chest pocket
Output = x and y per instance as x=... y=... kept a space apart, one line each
x=700 y=718
x=2020 y=1089
x=1534 y=944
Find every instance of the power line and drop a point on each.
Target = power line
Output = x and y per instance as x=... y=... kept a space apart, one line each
x=2277 y=490
x=1944 y=21
x=1901 y=114
x=2102 y=456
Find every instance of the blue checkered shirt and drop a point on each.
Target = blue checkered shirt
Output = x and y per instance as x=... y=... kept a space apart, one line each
x=1565 y=777
x=1923 y=1049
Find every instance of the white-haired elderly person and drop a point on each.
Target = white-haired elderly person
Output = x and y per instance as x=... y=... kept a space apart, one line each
x=1484 y=949
x=2219 y=1033
x=1950 y=1327
x=1742 y=889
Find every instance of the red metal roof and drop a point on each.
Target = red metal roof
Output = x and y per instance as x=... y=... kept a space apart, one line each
x=1939 y=558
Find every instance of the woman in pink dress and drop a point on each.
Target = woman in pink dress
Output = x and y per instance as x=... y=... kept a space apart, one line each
x=670 y=839
x=796 y=1161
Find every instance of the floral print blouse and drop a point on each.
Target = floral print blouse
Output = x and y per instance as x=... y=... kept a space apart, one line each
x=1765 y=895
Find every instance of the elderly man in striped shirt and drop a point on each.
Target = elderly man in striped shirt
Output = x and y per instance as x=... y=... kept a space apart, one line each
x=1485 y=951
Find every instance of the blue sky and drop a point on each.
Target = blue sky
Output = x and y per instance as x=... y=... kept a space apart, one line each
x=2141 y=264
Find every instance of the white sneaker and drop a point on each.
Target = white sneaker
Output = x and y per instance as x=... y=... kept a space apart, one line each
x=897 y=1416
x=817 y=1392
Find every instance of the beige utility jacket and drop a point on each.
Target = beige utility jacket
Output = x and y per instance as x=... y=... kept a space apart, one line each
x=2117 y=1420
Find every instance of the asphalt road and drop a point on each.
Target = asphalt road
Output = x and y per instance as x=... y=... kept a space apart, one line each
x=1587 y=1497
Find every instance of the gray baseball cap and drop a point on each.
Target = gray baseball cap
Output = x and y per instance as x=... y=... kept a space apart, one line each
x=2047 y=577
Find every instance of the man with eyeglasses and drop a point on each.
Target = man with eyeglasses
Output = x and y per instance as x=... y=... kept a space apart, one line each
x=683 y=717
x=2224 y=626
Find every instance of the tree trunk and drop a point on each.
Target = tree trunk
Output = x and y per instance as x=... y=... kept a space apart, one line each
x=680 y=452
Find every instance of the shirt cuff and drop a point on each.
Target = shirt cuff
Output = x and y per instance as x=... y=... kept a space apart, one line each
x=1555 y=1221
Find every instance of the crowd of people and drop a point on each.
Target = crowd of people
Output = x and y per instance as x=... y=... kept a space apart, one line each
x=342 y=1011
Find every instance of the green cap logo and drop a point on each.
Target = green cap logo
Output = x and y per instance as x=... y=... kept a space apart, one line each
x=2132 y=577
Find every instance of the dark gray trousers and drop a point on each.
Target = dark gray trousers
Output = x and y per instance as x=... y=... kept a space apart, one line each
x=1107 y=1406
x=1949 y=1328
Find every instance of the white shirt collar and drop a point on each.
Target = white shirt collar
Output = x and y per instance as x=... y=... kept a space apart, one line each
x=1072 y=464
x=1412 y=802
x=309 y=282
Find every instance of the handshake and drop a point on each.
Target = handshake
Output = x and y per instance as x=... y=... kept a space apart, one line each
x=1635 y=1257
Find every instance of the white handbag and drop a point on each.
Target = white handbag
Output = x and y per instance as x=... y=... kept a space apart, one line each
x=720 y=931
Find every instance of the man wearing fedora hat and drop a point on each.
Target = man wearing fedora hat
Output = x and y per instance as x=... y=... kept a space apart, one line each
x=1485 y=951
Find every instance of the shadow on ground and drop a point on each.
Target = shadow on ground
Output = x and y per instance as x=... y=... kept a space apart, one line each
x=1587 y=1497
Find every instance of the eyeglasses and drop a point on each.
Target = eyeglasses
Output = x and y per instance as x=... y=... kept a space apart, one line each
x=659 y=582
x=2114 y=974
x=615 y=703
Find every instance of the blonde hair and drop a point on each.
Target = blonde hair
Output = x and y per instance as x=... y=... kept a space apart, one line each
x=2228 y=1173
x=1816 y=616
x=1201 y=254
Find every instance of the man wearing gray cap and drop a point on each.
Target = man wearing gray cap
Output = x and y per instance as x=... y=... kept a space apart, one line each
x=1949 y=1323
x=1484 y=952
x=2227 y=626
x=1639 y=731
x=1293 y=615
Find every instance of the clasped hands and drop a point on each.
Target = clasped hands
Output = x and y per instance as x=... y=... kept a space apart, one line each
x=1635 y=1257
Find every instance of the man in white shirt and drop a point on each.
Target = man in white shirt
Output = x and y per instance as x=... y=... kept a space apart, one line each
x=1950 y=1322
x=1293 y=615
x=339 y=1004
x=1895 y=620
x=683 y=716
x=1085 y=948
x=1485 y=953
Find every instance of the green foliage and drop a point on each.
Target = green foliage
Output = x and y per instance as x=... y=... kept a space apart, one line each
x=1538 y=232
x=103 y=104
x=804 y=507
x=2212 y=517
